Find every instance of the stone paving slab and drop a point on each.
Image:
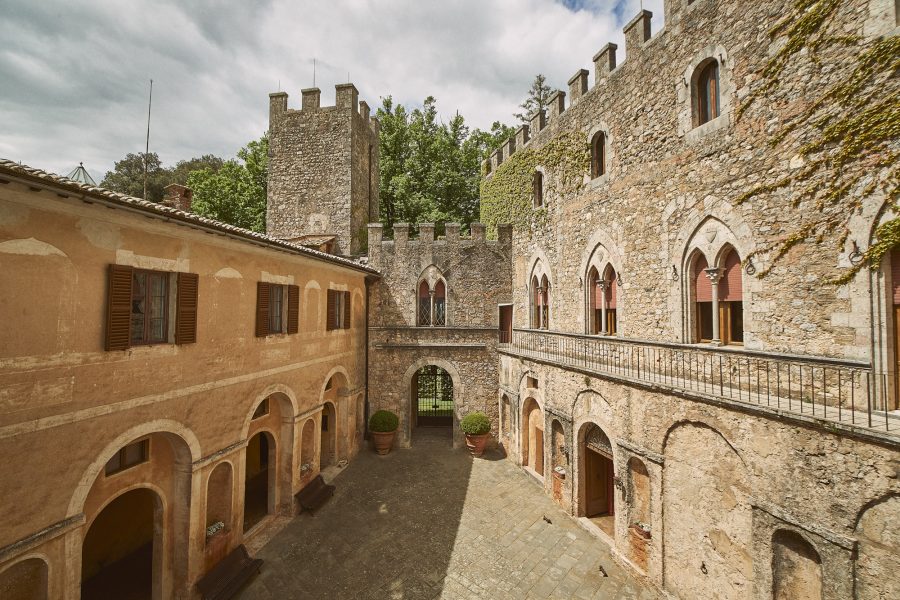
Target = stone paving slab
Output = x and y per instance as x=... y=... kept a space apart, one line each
x=431 y=522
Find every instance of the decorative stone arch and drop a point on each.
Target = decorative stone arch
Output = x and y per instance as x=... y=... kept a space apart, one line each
x=533 y=450
x=582 y=427
x=160 y=426
x=706 y=503
x=279 y=392
x=538 y=274
x=601 y=127
x=407 y=399
x=27 y=578
x=686 y=93
x=432 y=275
x=601 y=251
x=710 y=237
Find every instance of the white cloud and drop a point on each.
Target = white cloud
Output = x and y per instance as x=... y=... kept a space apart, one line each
x=76 y=73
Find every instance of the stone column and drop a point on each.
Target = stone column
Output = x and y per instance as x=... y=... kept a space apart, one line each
x=714 y=274
x=602 y=284
x=540 y=296
x=431 y=310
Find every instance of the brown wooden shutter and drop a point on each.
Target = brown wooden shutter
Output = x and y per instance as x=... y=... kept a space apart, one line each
x=346 y=324
x=332 y=310
x=702 y=285
x=293 y=320
x=118 y=308
x=186 y=308
x=262 y=309
x=730 y=289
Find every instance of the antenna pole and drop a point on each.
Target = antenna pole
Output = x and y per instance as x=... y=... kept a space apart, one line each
x=147 y=146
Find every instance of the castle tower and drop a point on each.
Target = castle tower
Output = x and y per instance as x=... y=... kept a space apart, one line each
x=323 y=171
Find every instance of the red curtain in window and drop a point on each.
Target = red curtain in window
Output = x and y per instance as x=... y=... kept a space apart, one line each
x=423 y=290
x=611 y=286
x=439 y=291
x=702 y=286
x=594 y=289
x=730 y=288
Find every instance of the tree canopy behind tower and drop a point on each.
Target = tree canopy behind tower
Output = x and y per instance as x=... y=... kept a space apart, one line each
x=430 y=170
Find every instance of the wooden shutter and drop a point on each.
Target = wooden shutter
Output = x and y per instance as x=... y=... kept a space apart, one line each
x=346 y=324
x=332 y=311
x=293 y=320
x=262 y=309
x=702 y=285
x=118 y=308
x=186 y=308
x=611 y=286
x=730 y=289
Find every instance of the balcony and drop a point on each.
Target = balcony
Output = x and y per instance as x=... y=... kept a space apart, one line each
x=839 y=395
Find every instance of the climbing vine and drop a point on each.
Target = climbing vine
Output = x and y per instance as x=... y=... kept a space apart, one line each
x=845 y=143
x=506 y=196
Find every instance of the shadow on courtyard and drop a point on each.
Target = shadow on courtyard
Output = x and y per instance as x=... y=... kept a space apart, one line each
x=388 y=532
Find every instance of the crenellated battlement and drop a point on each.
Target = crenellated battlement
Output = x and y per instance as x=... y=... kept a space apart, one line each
x=637 y=34
x=346 y=100
x=383 y=250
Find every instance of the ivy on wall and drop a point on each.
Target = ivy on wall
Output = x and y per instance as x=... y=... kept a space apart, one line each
x=846 y=139
x=506 y=196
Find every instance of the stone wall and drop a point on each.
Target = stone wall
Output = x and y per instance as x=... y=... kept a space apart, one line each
x=477 y=277
x=323 y=168
x=671 y=188
x=722 y=483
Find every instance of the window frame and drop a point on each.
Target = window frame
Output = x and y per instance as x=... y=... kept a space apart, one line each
x=121 y=454
x=166 y=278
x=279 y=290
x=598 y=154
x=338 y=303
x=708 y=103
x=537 y=189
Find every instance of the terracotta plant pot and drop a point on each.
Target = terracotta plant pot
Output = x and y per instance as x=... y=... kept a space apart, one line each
x=476 y=443
x=383 y=441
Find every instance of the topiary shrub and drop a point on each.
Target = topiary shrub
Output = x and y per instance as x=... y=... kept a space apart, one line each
x=475 y=423
x=383 y=421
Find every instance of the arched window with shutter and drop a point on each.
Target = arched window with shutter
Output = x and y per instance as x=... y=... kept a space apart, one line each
x=731 y=299
x=535 y=303
x=609 y=275
x=707 y=92
x=595 y=302
x=702 y=301
x=598 y=155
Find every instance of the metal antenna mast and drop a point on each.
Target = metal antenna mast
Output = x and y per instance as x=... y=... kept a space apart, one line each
x=147 y=147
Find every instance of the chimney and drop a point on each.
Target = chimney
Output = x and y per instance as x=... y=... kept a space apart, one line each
x=178 y=196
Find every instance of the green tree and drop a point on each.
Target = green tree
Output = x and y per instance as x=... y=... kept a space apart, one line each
x=538 y=99
x=236 y=192
x=430 y=171
x=127 y=177
x=184 y=167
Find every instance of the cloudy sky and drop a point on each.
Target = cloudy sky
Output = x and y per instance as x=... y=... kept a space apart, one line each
x=74 y=75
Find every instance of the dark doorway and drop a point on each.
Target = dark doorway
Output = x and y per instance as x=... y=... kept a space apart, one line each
x=432 y=389
x=505 y=320
x=258 y=479
x=117 y=553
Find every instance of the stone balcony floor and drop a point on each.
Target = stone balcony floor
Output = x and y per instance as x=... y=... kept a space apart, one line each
x=431 y=522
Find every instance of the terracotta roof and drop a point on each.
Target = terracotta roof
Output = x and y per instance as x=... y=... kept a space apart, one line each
x=13 y=169
x=313 y=239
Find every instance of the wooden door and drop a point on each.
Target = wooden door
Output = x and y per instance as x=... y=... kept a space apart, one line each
x=505 y=324
x=896 y=357
x=539 y=451
x=598 y=484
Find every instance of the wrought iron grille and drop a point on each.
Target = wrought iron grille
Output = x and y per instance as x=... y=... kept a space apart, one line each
x=424 y=312
x=434 y=396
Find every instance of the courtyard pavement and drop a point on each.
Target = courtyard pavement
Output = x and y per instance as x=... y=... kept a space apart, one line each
x=432 y=522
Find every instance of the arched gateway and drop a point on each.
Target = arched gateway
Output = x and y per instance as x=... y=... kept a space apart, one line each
x=432 y=393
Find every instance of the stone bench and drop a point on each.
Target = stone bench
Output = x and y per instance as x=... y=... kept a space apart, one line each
x=225 y=579
x=315 y=494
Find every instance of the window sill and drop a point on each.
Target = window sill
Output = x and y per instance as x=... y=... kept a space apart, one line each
x=709 y=128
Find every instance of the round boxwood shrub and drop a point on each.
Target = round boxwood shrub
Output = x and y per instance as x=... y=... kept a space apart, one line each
x=475 y=423
x=383 y=421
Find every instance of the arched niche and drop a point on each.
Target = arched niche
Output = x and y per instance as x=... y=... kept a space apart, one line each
x=26 y=579
x=796 y=568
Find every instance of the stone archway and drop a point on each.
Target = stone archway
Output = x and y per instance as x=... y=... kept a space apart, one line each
x=532 y=451
x=259 y=479
x=121 y=554
x=596 y=476
x=328 y=436
x=408 y=406
x=432 y=397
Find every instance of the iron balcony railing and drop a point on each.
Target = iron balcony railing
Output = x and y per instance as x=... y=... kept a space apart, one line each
x=829 y=389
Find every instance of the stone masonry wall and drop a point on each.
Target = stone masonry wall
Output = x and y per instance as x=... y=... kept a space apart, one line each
x=478 y=278
x=321 y=179
x=671 y=187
